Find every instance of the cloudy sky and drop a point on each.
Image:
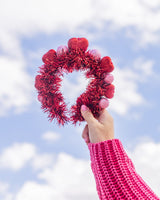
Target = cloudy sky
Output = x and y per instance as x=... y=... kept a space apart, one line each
x=40 y=160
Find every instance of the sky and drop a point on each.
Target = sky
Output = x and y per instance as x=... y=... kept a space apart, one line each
x=39 y=159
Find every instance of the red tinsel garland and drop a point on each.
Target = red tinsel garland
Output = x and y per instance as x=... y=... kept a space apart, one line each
x=66 y=60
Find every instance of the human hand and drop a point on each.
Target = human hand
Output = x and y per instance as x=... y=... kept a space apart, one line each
x=97 y=130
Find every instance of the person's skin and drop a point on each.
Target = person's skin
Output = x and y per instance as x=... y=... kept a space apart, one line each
x=97 y=130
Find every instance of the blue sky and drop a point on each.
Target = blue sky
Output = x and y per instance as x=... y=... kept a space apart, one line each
x=39 y=159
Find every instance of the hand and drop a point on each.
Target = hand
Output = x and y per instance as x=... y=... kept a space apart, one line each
x=97 y=130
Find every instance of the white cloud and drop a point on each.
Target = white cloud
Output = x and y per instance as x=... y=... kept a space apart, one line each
x=33 y=190
x=61 y=177
x=41 y=161
x=151 y=4
x=139 y=17
x=48 y=17
x=10 y=44
x=16 y=156
x=4 y=194
x=3 y=187
x=20 y=155
x=135 y=15
x=20 y=20
x=126 y=93
x=65 y=180
x=146 y=159
x=8 y=196
x=51 y=136
x=15 y=86
x=72 y=86
x=144 y=68
x=69 y=176
x=126 y=81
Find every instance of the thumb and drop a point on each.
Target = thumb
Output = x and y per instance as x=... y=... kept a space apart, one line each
x=87 y=115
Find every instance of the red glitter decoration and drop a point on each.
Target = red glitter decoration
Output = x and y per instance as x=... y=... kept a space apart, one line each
x=66 y=60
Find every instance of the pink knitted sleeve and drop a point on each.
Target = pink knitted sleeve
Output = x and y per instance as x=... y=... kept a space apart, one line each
x=115 y=175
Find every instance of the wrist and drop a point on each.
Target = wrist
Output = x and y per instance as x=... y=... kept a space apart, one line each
x=100 y=139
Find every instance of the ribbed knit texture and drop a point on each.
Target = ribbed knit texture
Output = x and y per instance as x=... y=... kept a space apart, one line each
x=115 y=174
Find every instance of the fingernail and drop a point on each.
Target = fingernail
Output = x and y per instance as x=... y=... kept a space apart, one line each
x=84 y=108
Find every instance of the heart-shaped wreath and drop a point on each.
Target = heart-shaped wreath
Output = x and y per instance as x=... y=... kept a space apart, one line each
x=66 y=60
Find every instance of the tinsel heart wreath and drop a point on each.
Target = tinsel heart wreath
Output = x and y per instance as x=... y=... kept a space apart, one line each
x=66 y=60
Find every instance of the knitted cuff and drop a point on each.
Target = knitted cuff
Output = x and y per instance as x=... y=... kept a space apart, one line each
x=114 y=172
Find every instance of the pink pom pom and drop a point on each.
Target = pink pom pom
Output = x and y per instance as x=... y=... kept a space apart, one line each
x=104 y=103
x=95 y=53
x=40 y=98
x=62 y=50
x=109 y=78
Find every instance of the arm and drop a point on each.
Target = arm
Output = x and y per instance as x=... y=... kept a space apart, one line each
x=114 y=172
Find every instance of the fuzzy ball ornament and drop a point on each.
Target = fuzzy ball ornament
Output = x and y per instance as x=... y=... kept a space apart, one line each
x=67 y=59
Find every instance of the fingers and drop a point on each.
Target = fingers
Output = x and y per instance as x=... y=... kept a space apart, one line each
x=102 y=111
x=85 y=130
x=105 y=117
x=85 y=134
x=87 y=115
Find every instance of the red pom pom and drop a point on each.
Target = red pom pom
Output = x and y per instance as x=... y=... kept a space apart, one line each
x=49 y=57
x=110 y=91
x=78 y=43
x=83 y=43
x=106 y=63
x=38 y=82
